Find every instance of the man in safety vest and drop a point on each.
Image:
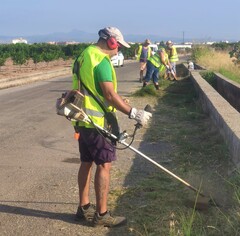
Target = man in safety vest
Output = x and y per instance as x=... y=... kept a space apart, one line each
x=98 y=83
x=143 y=52
x=172 y=54
x=163 y=70
x=155 y=64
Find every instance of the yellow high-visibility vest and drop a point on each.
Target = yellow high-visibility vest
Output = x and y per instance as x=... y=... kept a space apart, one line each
x=174 y=56
x=155 y=60
x=88 y=60
x=140 y=51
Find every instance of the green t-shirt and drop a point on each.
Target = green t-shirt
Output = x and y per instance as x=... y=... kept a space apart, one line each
x=102 y=73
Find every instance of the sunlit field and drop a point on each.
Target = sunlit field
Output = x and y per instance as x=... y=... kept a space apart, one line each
x=217 y=61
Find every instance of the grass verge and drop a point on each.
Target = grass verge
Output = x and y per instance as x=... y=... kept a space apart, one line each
x=218 y=61
x=157 y=204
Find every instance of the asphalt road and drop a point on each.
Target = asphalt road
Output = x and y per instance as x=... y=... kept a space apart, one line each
x=39 y=159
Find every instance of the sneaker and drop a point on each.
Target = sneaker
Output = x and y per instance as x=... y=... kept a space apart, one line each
x=108 y=220
x=85 y=214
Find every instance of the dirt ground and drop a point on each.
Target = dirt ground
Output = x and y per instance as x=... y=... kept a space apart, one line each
x=9 y=70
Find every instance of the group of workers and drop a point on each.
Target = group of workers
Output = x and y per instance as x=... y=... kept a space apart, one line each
x=159 y=64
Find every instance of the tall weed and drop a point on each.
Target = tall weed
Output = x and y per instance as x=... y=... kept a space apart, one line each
x=218 y=61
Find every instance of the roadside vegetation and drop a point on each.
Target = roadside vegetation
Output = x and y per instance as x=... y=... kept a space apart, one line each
x=158 y=204
x=224 y=60
x=221 y=57
x=21 y=53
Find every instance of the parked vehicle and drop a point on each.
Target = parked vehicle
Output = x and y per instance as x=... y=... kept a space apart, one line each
x=154 y=48
x=118 y=60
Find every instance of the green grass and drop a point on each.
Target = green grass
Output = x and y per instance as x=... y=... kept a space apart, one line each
x=217 y=61
x=230 y=74
x=209 y=76
x=156 y=205
x=146 y=91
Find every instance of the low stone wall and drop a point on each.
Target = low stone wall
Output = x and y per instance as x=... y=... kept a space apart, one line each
x=229 y=89
x=225 y=117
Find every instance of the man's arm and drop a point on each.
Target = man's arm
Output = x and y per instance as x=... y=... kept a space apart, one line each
x=113 y=98
x=162 y=58
x=116 y=101
x=167 y=64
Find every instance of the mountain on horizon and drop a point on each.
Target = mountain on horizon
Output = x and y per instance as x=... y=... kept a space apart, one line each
x=85 y=37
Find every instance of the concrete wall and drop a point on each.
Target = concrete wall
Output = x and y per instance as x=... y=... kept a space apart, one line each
x=229 y=89
x=225 y=117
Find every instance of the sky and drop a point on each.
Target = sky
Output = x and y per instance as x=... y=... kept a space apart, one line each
x=190 y=19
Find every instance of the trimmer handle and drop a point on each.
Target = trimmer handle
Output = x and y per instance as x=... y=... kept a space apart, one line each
x=148 y=108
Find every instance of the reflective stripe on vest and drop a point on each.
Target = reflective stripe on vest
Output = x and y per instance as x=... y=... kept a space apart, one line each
x=89 y=59
x=155 y=60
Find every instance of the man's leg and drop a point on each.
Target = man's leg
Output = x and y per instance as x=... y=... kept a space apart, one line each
x=102 y=216
x=173 y=64
x=84 y=177
x=149 y=73
x=142 y=69
x=102 y=181
x=156 y=78
x=174 y=75
x=85 y=209
x=141 y=76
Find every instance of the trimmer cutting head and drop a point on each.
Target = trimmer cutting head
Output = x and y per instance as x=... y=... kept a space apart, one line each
x=201 y=203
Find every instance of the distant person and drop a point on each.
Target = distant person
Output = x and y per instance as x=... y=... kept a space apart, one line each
x=190 y=65
x=155 y=64
x=143 y=52
x=172 y=55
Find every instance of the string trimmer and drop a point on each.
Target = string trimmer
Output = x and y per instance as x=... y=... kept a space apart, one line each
x=70 y=106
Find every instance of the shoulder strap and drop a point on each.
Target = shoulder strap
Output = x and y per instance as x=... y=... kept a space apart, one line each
x=109 y=116
x=76 y=70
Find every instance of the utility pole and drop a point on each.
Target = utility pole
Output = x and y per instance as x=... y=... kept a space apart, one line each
x=183 y=38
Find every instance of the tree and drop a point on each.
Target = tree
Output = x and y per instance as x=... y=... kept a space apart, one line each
x=3 y=58
x=235 y=53
x=19 y=58
x=36 y=57
x=20 y=53
x=49 y=56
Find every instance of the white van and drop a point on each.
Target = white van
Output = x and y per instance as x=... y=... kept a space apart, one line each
x=154 y=48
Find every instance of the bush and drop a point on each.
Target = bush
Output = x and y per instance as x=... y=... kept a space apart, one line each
x=200 y=51
x=235 y=53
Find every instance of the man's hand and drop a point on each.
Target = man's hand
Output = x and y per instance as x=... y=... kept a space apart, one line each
x=167 y=66
x=126 y=100
x=140 y=116
x=169 y=69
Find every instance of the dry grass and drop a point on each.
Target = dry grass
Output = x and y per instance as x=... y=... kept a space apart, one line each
x=220 y=62
x=216 y=60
